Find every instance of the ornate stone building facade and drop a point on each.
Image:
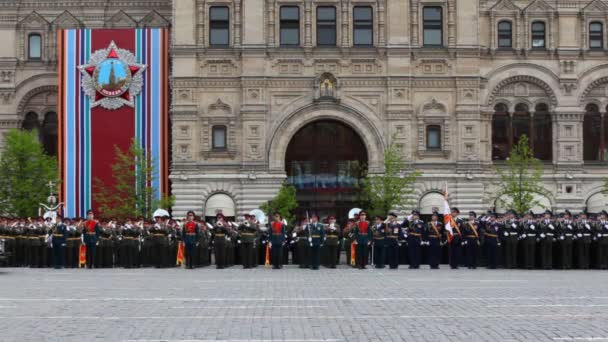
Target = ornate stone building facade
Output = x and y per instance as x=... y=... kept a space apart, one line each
x=454 y=83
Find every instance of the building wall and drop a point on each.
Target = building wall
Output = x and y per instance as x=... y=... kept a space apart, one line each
x=263 y=93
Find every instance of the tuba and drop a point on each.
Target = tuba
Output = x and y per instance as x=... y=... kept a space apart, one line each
x=260 y=217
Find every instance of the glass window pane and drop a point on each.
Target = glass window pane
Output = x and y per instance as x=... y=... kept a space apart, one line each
x=219 y=37
x=432 y=13
x=595 y=27
x=433 y=140
x=363 y=37
x=504 y=26
x=538 y=27
x=35 y=46
x=219 y=13
x=219 y=137
x=290 y=36
x=362 y=13
x=504 y=42
x=326 y=13
x=290 y=13
x=432 y=37
x=538 y=43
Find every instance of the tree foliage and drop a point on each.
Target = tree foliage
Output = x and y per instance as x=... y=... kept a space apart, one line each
x=25 y=171
x=520 y=179
x=392 y=189
x=132 y=193
x=284 y=203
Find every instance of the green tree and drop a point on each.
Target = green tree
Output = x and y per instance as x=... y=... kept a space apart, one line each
x=519 y=180
x=132 y=193
x=284 y=203
x=25 y=171
x=392 y=189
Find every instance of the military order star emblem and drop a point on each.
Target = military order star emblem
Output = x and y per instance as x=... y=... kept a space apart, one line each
x=112 y=78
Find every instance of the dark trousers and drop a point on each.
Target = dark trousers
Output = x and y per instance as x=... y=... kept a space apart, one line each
x=247 y=254
x=414 y=253
x=491 y=250
x=511 y=253
x=303 y=251
x=471 y=253
x=189 y=251
x=276 y=255
x=546 y=253
x=582 y=249
x=529 y=252
x=392 y=254
x=455 y=252
x=361 y=254
x=379 y=255
x=434 y=254
x=315 y=257
x=91 y=250
x=332 y=255
x=220 y=254
x=58 y=255
x=566 y=247
x=602 y=253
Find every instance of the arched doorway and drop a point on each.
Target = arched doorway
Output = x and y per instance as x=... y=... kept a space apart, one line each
x=324 y=162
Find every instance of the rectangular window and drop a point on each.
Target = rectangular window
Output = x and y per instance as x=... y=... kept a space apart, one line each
x=219 y=26
x=432 y=26
x=596 y=35
x=505 y=34
x=219 y=137
x=538 y=35
x=34 y=46
x=433 y=138
x=363 y=31
x=290 y=25
x=326 y=26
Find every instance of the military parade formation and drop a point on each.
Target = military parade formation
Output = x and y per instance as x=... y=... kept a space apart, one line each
x=529 y=241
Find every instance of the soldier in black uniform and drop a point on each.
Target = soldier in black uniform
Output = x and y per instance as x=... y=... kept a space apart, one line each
x=457 y=237
x=59 y=240
x=471 y=240
x=160 y=239
x=529 y=237
x=21 y=242
x=601 y=238
x=434 y=238
x=548 y=234
x=72 y=248
x=348 y=240
x=248 y=232
x=393 y=240
x=302 y=245
x=566 y=237
x=221 y=233
x=379 y=237
x=105 y=249
x=316 y=239
x=130 y=240
x=414 y=240
x=511 y=231
x=36 y=246
x=491 y=240
x=584 y=235
x=332 y=242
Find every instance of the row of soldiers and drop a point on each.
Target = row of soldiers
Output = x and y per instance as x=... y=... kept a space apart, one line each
x=530 y=241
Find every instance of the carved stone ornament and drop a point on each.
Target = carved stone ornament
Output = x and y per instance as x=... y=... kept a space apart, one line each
x=112 y=78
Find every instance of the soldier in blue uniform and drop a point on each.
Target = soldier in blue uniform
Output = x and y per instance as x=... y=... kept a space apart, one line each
x=457 y=238
x=91 y=237
x=59 y=239
x=362 y=235
x=414 y=239
x=393 y=238
x=277 y=239
x=379 y=235
x=316 y=239
x=471 y=240
x=491 y=240
x=434 y=238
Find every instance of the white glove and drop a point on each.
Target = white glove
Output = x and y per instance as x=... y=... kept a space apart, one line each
x=311 y=245
x=523 y=236
x=513 y=225
x=309 y=239
x=238 y=241
x=579 y=235
x=270 y=244
x=356 y=243
x=532 y=227
x=561 y=237
x=506 y=234
x=551 y=227
x=542 y=235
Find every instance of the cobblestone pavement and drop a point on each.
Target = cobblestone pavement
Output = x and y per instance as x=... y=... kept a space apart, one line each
x=302 y=305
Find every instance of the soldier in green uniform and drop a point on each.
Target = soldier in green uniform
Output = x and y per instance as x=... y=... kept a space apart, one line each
x=316 y=240
x=379 y=239
x=528 y=237
x=59 y=240
x=348 y=240
x=601 y=238
x=548 y=234
x=566 y=239
x=72 y=248
x=248 y=232
x=332 y=242
x=302 y=245
x=130 y=242
x=471 y=241
x=434 y=238
x=220 y=241
x=160 y=242
x=511 y=231
x=584 y=235
x=105 y=248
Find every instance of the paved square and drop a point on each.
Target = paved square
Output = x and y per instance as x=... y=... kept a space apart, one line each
x=302 y=305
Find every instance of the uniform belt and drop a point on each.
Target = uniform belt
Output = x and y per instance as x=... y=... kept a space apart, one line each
x=190 y=233
x=247 y=234
x=513 y=233
x=379 y=238
x=471 y=236
x=303 y=238
x=32 y=237
x=220 y=235
x=393 y=237
x=568 y=234
x=434 y=236
x=6 y=237
x=415 y=234
x=129 y=238
x=58 y=235
x=531 y=234
x=104 y=238
x=91 y=233
x=159 y=235
x=316 y=236
x=73 y=239
x=492 y=235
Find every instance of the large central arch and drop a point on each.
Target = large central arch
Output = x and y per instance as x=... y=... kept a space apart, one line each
x=284 y=131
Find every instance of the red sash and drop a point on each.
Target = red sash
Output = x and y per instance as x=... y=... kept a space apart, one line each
x=363 y=226
x=190 y=227
x=277 y=227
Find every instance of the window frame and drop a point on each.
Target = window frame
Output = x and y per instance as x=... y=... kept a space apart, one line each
x=320 y=22
x=598 y=35
x=289 y=24
x=534 y=33
x=220 y=22
x=501 y=35
x=363 y=24
x=426 y=23
x=29 y=46
x=436 y=128
x=214 y=129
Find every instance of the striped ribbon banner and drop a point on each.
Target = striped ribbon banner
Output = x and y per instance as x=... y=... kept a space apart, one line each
x=87 y=135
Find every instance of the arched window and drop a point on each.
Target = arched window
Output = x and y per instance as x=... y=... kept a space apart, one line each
x=501 y=132
x=542 y=133
x=433 y=137
x=538 y=35
x=31 y=121
x=596 y=35
x=520 y=122
x=592 y=133
x=34 y=46
x=49 y=133
x=505 y=34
